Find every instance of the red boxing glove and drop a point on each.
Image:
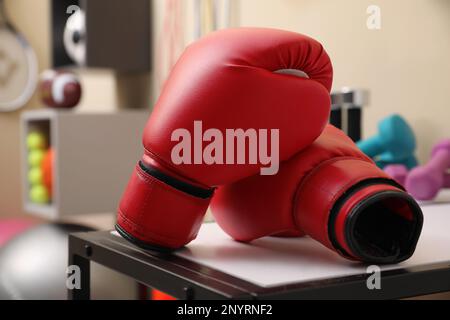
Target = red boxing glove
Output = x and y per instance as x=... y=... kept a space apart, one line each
x=332 y=192
x=232 y=79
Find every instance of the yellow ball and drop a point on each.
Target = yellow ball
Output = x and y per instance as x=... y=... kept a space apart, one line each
x=35 y=158
x=35 y=176
x=39 y=194
x=36 y=140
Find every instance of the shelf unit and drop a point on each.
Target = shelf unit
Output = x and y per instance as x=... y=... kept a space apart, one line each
x=94 y=155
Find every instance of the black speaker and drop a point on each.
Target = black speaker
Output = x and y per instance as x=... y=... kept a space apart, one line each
x=113 y=34
x=346 y=111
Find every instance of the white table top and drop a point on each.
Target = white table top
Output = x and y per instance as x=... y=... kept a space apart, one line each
x=272 y=262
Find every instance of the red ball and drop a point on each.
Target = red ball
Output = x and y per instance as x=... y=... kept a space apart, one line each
x=60 y=89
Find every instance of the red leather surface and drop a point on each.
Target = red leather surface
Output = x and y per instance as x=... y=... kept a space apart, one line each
x=301 y=196
x=155 y=213
x=228 y=81
x=323 y=187
x=264 y=205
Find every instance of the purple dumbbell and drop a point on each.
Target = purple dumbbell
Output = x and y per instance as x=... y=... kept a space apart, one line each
x=398 y=172
x=425 y=182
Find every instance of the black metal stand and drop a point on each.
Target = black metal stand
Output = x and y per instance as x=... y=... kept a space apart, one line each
x=188 y=280
x=353 y=123
x=346 y=111
x=336 y=118
x=354 y=120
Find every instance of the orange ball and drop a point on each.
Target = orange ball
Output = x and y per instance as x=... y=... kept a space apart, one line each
x=47 y=170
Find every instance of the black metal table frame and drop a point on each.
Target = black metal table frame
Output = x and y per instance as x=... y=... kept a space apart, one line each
x=188 y=280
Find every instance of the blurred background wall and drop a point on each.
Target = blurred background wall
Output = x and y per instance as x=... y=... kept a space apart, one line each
x=31 y=17
x=405 y=64
x=103 y=91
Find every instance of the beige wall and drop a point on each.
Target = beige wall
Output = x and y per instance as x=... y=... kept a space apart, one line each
x=406 y=64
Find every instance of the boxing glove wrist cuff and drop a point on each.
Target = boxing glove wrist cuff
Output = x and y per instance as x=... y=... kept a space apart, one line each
x=353 y=207
x=376 y=222
x=160 y=212
x=176 y=183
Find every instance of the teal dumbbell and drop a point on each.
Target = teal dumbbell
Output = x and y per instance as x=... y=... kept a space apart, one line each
x=386 y=159
x=394 y=144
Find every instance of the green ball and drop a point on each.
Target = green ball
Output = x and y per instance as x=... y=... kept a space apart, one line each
x=39 y=194
x=36 y=140
x=35 y=158
x=35 y=176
